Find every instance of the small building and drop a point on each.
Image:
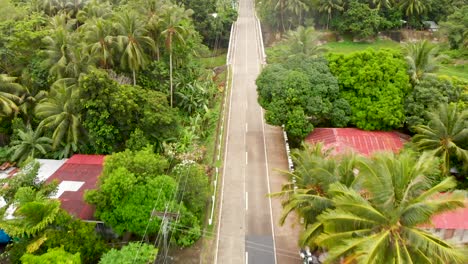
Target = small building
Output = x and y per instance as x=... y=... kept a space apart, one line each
x=452 y=226
x=431 y=26
x=357 y=140
x=75 y=176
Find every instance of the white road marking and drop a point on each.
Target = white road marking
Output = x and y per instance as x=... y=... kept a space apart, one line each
x=246 y=257
x=246 y=201
x=246 y=157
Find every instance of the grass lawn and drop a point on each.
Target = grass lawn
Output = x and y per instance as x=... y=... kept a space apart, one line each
x=349 y=46
x=454 y=70
x=211 y=62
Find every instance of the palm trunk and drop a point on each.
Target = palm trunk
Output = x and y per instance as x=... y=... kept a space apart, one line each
x=170 y=72
x=134 y=78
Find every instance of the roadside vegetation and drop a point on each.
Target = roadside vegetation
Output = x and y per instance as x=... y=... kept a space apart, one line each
x=330 y=67
x=139 y=81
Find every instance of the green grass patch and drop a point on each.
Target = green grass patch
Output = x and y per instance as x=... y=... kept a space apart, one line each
x=349 y=46
x=460 y=70
x=212 y=62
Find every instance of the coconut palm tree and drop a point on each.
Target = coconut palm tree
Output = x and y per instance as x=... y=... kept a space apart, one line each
x=98 y=33
x=153 y=11
x=422 y=59
x=174 y=20
x=297 y=7
x=308 y=191
x=328 y=6
x=29 y=144
x=382 y=223
x=60 y=113
x=131 y=41
x=8 y=95
x=304 y=41
x=444 y=135
x=383 y=3
x=413 y=7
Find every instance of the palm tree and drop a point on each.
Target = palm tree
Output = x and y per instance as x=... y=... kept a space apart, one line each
x=8 y=97
x=34 y=213
x=304 y=41
x=422 y=59
x=131 y=40
x=383 y=3
x=297 y=7
x=308 y=192
x=29 y=145
x=153 y=10
x=60 y=112
x=175 y=30
x=411 y=7
x=328 y=6
x=97 y=32
x=382 y=223
x=443 y=136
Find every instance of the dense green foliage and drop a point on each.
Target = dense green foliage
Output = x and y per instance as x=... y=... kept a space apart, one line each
x=138 y=253
x=133 y=184
x=361 y=18
x=375 y=84
x=53 y=255
x=301 y=93
x=370 y=209
x=113 y=112
x=427 y=95
x=456 y=28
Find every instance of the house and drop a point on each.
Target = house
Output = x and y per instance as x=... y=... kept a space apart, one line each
x=360 y=141
x=74 y=175
x=431 y=26
x=451 y=225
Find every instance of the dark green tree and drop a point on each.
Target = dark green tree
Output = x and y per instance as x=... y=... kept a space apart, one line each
x=134 y=252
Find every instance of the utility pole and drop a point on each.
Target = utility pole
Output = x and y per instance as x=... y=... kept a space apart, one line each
x=165 y=217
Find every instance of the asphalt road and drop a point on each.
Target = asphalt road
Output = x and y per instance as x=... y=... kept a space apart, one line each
x=246 y=227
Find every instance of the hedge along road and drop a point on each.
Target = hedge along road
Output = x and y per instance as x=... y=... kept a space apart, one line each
x=246 y=226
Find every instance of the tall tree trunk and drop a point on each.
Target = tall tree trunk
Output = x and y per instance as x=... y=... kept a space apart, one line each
x=134 y=78
x=170 y=72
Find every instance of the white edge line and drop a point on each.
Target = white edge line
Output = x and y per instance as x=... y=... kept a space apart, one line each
x=268 y=182
x=246 y=201
x=224 y=167
x=246 y=257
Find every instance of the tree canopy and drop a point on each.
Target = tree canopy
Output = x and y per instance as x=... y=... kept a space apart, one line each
x=375 y=84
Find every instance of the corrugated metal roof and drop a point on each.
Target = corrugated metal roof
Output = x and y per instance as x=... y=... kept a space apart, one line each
x=457 y=219
x=79 y=168
x=86 y=159
x=363 y=142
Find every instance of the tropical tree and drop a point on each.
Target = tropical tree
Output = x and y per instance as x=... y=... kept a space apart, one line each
x=297 y=7
x=29 y=144
x=60 y=112
x=98 y=34
x=413 y=7
x=8 y=99
x=132 y=41
x=175 y=30
x=307 y=193
x=444 y=135
x=34 y=213
x=304 y=41
x=328 y=6
x=422 y=59
x=381 y=223
x=383 y=3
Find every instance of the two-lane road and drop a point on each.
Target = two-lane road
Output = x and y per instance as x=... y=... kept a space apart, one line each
x=246 y=228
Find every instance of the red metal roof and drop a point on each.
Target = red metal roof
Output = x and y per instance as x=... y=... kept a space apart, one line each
x=86 y=159
x=457 y=219
x=83 y=168
x=364 y=142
